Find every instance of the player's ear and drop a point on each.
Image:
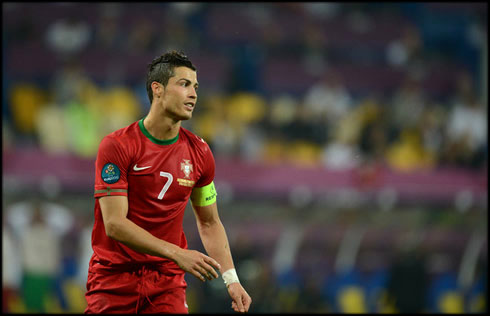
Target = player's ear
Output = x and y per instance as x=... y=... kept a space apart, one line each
x=157 y=88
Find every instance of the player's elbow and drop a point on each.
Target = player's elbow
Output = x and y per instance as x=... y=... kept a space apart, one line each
x=113 y=229
x=209 y=223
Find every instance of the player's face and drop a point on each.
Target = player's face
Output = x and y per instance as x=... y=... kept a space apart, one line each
x=180 y=94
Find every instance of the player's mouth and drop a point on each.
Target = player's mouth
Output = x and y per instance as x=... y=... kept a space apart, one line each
x=189 y=106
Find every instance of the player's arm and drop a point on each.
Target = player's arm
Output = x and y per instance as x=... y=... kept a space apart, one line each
x=118 y=227
x=215 y=241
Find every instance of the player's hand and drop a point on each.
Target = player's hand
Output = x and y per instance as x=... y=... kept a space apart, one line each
x=240 y=299
x=198 y=264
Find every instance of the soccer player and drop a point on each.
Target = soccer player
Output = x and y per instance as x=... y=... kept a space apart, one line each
x=145 y=173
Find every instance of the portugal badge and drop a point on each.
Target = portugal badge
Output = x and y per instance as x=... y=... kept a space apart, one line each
x=186 y=167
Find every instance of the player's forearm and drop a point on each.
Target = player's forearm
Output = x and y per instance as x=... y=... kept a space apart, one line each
x=136 y=238
x=215 y=241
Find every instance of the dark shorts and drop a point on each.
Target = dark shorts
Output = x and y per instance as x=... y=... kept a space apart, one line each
x=144 y=289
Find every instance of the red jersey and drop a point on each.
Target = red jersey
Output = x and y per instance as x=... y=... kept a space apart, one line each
x=158 y=178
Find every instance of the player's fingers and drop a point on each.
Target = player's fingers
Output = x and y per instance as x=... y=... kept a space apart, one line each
x=203 y=272
x=198 y=274
x=234 y=306
x=239 y=304
x=209 y=270
x=247 y=300
x=212 y=262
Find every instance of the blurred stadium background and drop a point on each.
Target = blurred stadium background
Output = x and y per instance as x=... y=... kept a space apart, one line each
x=350 y=142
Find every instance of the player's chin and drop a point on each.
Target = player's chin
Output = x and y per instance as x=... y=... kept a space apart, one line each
x=186 y=116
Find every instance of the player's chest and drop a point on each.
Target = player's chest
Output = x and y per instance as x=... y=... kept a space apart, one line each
x=170 y=173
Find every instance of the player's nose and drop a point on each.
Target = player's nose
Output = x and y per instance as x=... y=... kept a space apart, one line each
x=193 y=94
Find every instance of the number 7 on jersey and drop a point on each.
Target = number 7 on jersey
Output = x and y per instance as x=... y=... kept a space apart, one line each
x=170 y=178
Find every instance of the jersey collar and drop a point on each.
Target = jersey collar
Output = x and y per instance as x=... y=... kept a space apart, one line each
x=153 y=139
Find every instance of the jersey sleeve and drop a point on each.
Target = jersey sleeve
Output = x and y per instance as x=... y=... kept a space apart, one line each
x=207 y=175
x=111 y=168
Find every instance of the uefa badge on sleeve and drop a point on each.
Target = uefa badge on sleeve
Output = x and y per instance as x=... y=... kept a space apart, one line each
x=110 y=173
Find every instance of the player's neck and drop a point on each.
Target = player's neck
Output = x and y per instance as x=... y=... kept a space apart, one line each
x=161 y=128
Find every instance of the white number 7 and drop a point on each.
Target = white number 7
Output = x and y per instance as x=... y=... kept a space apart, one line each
x=170 y=178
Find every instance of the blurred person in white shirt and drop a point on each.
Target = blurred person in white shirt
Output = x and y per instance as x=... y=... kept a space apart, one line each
x=11 y=268
x=41 y=258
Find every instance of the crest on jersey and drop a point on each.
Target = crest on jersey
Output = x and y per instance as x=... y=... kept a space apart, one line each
x=186 y=167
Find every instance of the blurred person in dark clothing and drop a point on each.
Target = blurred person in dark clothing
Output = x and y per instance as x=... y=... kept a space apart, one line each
x=408 y=282
x=311 y=298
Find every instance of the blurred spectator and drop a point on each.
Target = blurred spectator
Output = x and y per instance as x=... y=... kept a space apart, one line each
x=407 y=285
x=11 y=271
x=109 y=32
x=431 y=127
x=76 y=105
x=311 y=298
x=408 y=103
x=405 y=50
x=408 y=154
x=307 y=126
x=67 y=81
x=264 y=290
x=41 y=254
x=444 y=294
x=280 y=114
x=84 y=244
x=52 y=130
x=141 y=37
x=245 y=113
x=226 y=139
x=26 y=99
x=373 y=134
x=8 y=136
x=245 y=108
x=314 y=49
x=467 y=127
x=194 y=14
x=373 y=265
x=40 y=226
x=121 y=107
x=345 y=292
x=477 y=295
x=245 y=74
x=20 y=215
x=329 y=99
x=321 y=10
x=174 y=32
x=69 y=35
x=70 y=292
x=209 y=115
x=272 y=41
x=341 y=154
x=83 y=136
x=252 y=146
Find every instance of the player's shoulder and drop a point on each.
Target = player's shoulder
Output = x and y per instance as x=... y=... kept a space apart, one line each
x=195 y=140
x=122 y=134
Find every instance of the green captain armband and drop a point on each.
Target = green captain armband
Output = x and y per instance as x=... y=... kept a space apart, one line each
x=204 y=196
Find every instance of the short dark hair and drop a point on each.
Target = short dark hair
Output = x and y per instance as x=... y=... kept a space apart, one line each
x=161 y=69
